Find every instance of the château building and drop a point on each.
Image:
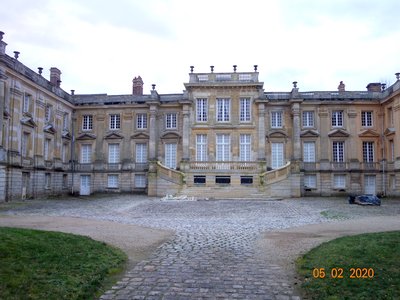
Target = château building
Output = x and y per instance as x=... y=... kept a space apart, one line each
x=224 y=136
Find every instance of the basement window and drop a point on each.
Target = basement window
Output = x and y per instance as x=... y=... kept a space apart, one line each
x=246 y=180
x=199 y=179
x=223 y=180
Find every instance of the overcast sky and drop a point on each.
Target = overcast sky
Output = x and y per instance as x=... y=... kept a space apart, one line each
x=100 y=45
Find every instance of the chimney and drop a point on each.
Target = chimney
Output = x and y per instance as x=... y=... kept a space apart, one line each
x=341 y=87
x=137 y=86
x=374 y=87
x=55 y=77
x=2 y=44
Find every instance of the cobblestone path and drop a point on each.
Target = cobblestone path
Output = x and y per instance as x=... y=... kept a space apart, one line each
x=212 y=255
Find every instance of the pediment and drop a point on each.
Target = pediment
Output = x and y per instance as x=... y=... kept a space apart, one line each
x=277 y=134
x=140 y=136
x=389 y=131
x=338 y=133
x=49 y=128
x=86 y=136
x=170 y=135
x=309 y=133
x=66 y=135
x=28 y=122
x=368 y=133
x=113 y=136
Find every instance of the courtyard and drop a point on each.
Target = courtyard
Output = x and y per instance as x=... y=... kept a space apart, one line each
x=232 y=249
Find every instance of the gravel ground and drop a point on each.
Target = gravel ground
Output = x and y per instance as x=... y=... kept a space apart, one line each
x=222 y=248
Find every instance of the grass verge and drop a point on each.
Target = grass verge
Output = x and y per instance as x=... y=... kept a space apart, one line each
x=365 y=266
x=52 y=265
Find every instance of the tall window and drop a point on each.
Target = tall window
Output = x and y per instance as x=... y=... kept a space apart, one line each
x=48 y=113
x=64 y=153
x=223 y=110
x=141 y=121
x=26 y=103
x=245 y=147
x=25 y=144
x=368 y=151
x=140 y=180
x=339 y=181
x=86 y=153
x=338 y=151
x=245 y=110
x=47 y=149
x=115 y=121
x=113 y=153
x=276 y=119
x=141 y=153
x=201 y=110
x=112 y=181
x=47 y=180
x=170 y=155
x=391 y=147
x=308 y=119
x=171 y=121
x=337 y=118
x=65 y=121
x=277 y=155
x=309 y=152
x=201 y=147
x=223 y=147
x=310 y=181
x=366 y=118
x=390 y=116
x=87 y=122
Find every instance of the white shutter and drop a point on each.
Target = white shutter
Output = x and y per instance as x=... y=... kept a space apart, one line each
x=277 y=158
x=170 y=155
x=309 y=152
x=113 y=153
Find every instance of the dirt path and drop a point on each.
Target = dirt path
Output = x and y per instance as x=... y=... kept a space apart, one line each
x=136 y=241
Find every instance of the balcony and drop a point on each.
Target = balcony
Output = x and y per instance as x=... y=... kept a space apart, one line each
x=210 y=166
x=240 y=77
x=340 y=166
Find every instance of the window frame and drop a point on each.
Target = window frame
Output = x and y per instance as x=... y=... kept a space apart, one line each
x=114 y=153
x=223 y=147
x=171 y=121
x=201 y=109
x=87 y=122
x=307 y=181
x=277 y=119
x=338 y=151
x=367 y=119
x=245 y=110
x=86 y=157
x=223 y=110
x=308 y=118
x=115 y=122
x=245 y=147
x=337 y=118
x=112 y=181
x=141 y=121
x=201 y=147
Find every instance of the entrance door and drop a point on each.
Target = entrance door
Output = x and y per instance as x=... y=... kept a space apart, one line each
x=85 y=185
x=369 y=184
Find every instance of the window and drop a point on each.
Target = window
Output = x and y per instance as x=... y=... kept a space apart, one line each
x=338 y=151
x=223 y=110
x=276 y=119
x=277 y=157
x=140 y=181
x=366 y=118
x=199 y=179
x=65 y=121
x=86 y=153
x=201 y=147
x=368 y=151
x=393 y=182
x=223 y=147
x=26 y=104
x=47 y=180
x=245 y=147
x=246 y=180
x=171 y=121
x=337 y=118
x=201 y=110
x=87 y=122
x=115 y=121
x=48 y=114
x=113 y=153
x=245 y=110
x=310 y=181
x=46 y=151
x=65 y=181
x=64 y=151
x=141 y=121
x=112 y=181
x=390 y=116
x=224 y=180
x=141 y=153
x=308 y=119
x=25 y=144
x=170 y=155
x=339 y=181
x=391 y=147
x=309 y=152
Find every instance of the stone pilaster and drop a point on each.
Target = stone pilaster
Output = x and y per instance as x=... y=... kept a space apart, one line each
x=185 y=134
x=153 y=133
x=296 y=131
x=261 y=132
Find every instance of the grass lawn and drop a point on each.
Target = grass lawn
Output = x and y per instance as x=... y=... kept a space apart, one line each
x=52 y=265
x=365 y=266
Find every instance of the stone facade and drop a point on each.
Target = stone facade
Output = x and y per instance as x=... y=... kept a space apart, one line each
x=224 y=136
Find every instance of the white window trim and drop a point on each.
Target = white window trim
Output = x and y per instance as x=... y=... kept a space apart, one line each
x=310 y=181
x=141 y=121
x=339 y=181
x=277 y=155
x=308 y=119
x=86 y=155
x=277 y=119
x=115 y=121
x=201 y=147
x=141 y=153
x=245 y=147
x=171 y=121
x=112 y=181
x=202 y=110
x=309 y=156
x=367 y=119
x=335 y=118
x=87 y=122
x=170 y=155
x=223 y=110
x=245 y=110
x=223 y=144
x=113 y=153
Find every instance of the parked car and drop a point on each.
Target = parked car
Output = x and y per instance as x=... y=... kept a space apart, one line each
x=364 y=200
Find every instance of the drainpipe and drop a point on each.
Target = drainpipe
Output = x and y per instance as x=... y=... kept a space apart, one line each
x=383 y=154
x=72 y=151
